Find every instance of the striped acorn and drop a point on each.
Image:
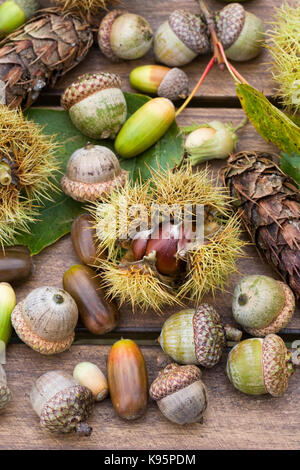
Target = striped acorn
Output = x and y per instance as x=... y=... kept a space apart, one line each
x=162 y=81
x=258 y=366
x=262 y=305
x=14 y=13
x=92 y=173
x=180 y=39
x=180 y=394
x=45 y=320
x=7 y=304
x=124 y=35
x=240 y=32
x=145 y=127
x=194 y=336
x=61 y=403
x=5 y=394
x=96 y=105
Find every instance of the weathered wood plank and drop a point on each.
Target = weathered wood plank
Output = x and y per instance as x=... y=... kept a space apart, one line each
x=53 y=261
x=232 y=421
x=218 y=86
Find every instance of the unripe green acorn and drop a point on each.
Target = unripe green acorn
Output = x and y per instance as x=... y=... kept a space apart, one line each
x=257 y=366
x=240 y=32
x=124 y=35
x=262 y=305
x=145 y=127
x=14 y=13
x=180 y=39
x=213 y=140
x=160 y=80
x=96 y=104
x=7 y=304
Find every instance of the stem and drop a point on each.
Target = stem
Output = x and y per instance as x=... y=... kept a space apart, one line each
x=232 y=333
x=212 y=29
x=233 y=72
x=204 y=75
x=241 y=124
x=5 y=174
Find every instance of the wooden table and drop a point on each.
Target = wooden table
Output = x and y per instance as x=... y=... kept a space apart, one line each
x=233 y=420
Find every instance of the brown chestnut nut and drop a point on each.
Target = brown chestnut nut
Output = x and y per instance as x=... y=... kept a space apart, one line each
x=97 y=313
x=15 y=264
x=83 y=239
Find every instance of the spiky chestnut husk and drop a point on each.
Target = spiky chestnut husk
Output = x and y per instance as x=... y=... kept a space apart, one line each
x=14 y=13
x=240 y=32
x=194 y=336
x=283 y=44
x=180 y=39
x=259 y=366
x=27 y=165
x=30 y=60
x=180 y=394
x=61 y=403
x=262 y=305
x=208 y=265
x=5 y=394
x=160 y=80
x=92 y=173
x=96 y=104
x=124 y=35
x=45 y=320
x=83 y=6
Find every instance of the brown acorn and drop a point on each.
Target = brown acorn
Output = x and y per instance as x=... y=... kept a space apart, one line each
x=83 y=239
x=15 y=264
x=5 y=394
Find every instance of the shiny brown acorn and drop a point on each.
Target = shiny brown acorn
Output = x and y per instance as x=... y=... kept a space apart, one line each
x=127 y=379
x=83 y=239
x=97 y=313
x=15 y=264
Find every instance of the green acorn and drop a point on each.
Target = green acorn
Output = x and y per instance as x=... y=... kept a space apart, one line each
x=14 y=13
x=7 y=304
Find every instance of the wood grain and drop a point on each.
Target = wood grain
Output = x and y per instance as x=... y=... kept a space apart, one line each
x=219 y=86
x=53 y=261
x=232 y=421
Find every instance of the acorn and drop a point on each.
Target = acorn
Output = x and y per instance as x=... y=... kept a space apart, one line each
x=96 y=105
x=145 y=127
x=89 y=375
x=258 y=366
x=97 y=313
x=262 y=305
x=92 y=173
x=162 y=81
x=15 y=264
x=83 y=235
x=240 y=32
x=45 y=320
x=124 y=35
x=14 y=13
x=180 y=39
x=180 y=394
x=61 y=403
x=5 y=394
x=7 y=304
x=211 y=140
x=194 y=336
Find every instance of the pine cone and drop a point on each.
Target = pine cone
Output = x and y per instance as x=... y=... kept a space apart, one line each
x=269 y=204
x=40 y=52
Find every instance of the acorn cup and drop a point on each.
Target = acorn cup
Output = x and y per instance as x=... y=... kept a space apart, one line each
x=180 y=39
x=240 y=32
x=92 y=173
x=262 y=305
x=124 y=36
x=45 y=320
x=61 y=403
x=258 y=366
x=14 y=13
x=5 y=394
x=162 y=81
x=180 y=394
x=96 y=104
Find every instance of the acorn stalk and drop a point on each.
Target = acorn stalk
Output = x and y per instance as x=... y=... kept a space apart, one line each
x=7 y=304
x=14 y=13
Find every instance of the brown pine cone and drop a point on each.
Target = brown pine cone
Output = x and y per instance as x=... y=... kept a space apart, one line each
x=269 y=204
x=40 y=52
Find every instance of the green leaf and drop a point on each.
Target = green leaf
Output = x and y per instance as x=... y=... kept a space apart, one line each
x=271 y=123
x=290 y=164
x=56 y=216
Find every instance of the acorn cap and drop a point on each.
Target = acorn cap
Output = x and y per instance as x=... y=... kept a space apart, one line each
x=173 y=378
x=88 y=84
x=209 y=335
x=104 y=34
x=174 y=85
x=276 y=364
x=230 y=21
x=191 y=30
x=67 y=410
